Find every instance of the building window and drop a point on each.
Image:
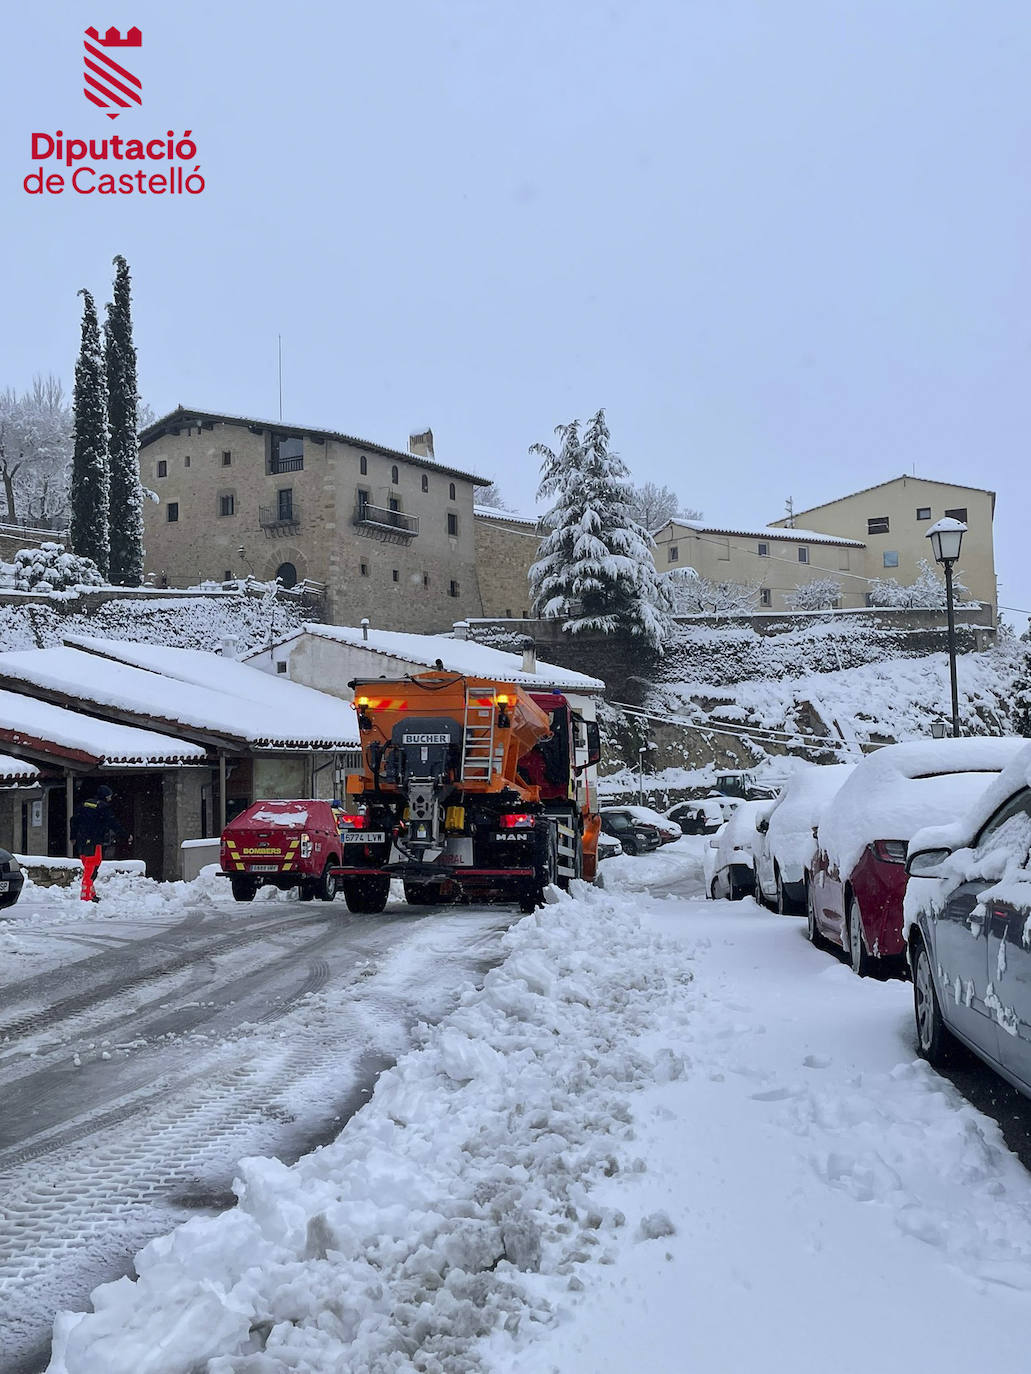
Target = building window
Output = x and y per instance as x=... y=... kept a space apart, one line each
x=452 y=588
x=425 y=579
x=287 y=574
x=722 y=549
x=162 y=467
x=173 y=512
x=227 y=504
x=227 y=575
x=764 y=550
x=186 y=461
x=287 y=454
x=425 y=482
x=960 y=513
x=891 y=558
x=364 y=568
x=451 y=491
x=285 y=503
x=281 y=666
x=363 y=502
x=227 y=458
x=803 y=554
x=923 y=512
x=674 y=553
x=363 y=465
x=395 y=575
x=765 y=597
x=394 y=475
x=877 y=524
x=452 y=524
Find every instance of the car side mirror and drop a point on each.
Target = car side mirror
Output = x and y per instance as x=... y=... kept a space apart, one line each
x=926 y=862
x=816 y=832
x=714 y=844
x=593 y=742
x=762 y=826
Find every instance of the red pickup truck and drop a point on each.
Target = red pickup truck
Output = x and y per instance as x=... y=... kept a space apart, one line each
x=287 y=844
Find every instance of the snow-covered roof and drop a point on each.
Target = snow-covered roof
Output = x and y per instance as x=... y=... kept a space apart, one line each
x=203 y=693
x=456 y=655
x=45 y=729
x=794 y=536
x=496 y=513
x=186 y=414
x=16 y=771
x=903 y=787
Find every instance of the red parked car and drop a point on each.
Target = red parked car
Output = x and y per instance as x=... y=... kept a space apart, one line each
x=858 y=875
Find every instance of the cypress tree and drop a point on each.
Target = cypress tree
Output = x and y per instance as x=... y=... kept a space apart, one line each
x=123 y=448
x=90 y=478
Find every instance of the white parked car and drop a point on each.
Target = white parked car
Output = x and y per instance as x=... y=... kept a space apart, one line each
x=787 y=842
x=668 y=829
x=733 y=873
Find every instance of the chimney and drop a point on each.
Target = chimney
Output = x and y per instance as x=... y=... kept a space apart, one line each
x=461 y=629
x=421 y=444
x=365 y=627
x=529 y=657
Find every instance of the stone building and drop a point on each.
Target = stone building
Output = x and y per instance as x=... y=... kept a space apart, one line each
x=506 y=546
x=390 y=534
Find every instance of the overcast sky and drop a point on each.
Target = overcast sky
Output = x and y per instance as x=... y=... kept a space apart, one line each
x=785 y=244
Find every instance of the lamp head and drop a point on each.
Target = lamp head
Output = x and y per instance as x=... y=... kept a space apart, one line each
x=946 y=536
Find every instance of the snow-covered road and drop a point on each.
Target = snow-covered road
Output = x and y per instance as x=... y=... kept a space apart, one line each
x=664 y=1134
x=147 y=1050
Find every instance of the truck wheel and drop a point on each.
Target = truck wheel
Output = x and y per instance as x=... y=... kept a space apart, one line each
x=244 y=888
x=366 y=895
x=326 y=887
x=306 y=890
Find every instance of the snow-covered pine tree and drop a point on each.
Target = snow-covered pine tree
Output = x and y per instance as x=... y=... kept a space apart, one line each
x=122 y=404
x=90 y=479
x=594 y=567
x=1022 y=696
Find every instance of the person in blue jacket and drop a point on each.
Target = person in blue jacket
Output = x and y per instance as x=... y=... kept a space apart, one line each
x=94 y=824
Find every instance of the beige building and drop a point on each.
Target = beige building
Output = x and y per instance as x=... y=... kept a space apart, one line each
x=892 y=520
x=390 y=534
x=775 y=561
x=506 y=546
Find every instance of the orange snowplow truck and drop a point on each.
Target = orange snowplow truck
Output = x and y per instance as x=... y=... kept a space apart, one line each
x=470 y=790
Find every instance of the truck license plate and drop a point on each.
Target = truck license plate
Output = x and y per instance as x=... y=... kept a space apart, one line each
x=364 y=836
x=264 y=868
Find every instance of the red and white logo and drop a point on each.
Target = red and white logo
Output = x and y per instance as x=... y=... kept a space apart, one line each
x=109 y=84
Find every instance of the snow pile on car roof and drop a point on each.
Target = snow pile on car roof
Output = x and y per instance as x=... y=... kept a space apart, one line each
x=903 y=787
x=418 y=1231
x=799 y=807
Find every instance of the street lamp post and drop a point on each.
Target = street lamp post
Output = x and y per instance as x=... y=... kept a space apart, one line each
x=946 y=538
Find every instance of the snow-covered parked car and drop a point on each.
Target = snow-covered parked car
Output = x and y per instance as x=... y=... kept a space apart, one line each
x=702 y=817
x=12 y=879
x=733 y=873
x=636 y=836
x=858 y=876
x=968 y=929
x=787 y=840
x=608 y=847
x=668 y=828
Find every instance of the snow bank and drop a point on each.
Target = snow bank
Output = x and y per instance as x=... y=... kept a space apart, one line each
x=416 y=1232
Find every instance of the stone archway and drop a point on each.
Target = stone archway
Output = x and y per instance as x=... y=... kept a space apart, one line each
x=286 y=556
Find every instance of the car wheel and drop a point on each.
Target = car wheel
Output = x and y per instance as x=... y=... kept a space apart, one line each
x=244 y=888
x=306 y=890
x=862 y=963
x=630 y=846
x=781 y=904
x=326 y=887
x=812 y=927
x=712 y=891
x=933 y=1039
